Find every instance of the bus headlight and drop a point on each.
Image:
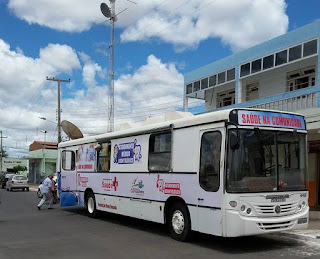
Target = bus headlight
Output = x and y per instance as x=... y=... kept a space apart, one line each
x=303 y=204
x=249 y=211
x=299 y=207
x=233 y=204
x=243 y=208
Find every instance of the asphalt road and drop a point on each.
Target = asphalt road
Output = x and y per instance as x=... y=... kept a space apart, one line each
x=26 y=233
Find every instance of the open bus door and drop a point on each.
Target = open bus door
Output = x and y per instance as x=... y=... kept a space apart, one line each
x=67 y=178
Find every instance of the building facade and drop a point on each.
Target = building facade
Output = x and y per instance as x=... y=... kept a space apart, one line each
x=280 y=74
x=8 y=165
x=42 y=160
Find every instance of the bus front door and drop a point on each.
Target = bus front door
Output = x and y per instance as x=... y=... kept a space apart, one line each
x=67 y=179
x=210 y=187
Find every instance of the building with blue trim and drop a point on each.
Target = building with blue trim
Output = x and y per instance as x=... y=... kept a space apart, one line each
x=279 y=74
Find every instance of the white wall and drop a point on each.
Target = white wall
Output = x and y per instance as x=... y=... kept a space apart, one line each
x=274 y=81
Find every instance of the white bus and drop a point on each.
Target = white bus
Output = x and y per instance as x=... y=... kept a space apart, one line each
x=227 y=173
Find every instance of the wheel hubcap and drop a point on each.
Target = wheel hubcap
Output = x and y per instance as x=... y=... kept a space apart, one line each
x=178 y=222
x=90 y=205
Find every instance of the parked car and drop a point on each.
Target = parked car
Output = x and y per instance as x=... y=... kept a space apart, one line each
x=5 y=179
x=17 y=182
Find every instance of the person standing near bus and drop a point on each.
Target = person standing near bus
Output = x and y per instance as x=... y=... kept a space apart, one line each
x=47 y=193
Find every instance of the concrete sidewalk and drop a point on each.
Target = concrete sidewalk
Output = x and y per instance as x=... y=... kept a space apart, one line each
x=313 y=230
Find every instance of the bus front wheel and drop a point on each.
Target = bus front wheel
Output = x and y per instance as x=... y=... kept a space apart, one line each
x=179 y=222
x=91 y=206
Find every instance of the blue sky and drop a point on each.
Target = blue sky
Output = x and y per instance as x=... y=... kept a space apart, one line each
x=157 y=42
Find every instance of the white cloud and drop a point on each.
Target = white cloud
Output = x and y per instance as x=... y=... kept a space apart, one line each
x=239 y=24
x=154 y=88
x=25 y=93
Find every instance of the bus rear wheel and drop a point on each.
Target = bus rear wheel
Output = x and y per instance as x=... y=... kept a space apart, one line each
x=179 y=222
x=91 y=206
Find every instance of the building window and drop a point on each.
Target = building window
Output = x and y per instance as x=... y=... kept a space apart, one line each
x=196 y=86
x=189 y=89
x=310 y=48
x=160 y=152
x=295 y=53
x=225 y=98
x=256 y=66
x=212 y=80
x=231 y=74
x=104 y=157
x=268 y=62
x=68 y=160
x=252 y=91
x=204 y=83
x=245 y=69
x=221 y=77
x=281 y=57
x=301 y=78
x=210 y=155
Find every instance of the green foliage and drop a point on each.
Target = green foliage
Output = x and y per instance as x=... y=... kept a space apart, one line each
x=18 y=168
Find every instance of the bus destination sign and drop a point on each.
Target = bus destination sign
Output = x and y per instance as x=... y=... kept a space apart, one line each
x=271 y=119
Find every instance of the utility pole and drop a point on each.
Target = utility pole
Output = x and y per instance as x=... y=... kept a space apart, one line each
x=1 y=137
x=110 y=13
x=59 y=110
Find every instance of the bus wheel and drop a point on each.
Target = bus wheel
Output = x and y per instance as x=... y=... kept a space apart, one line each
x=179 y=222
x=91 y=205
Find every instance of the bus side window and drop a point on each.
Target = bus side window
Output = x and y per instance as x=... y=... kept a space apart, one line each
x=68 y=160
x=209 y=175
x=160 y=152
x=104 y=157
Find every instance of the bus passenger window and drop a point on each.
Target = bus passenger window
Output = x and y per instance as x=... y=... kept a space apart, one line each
x=209 y=175
x=160 y=152
x=68 y=160
x=104 y=157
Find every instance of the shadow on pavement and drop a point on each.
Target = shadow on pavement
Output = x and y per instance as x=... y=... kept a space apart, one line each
x=239 y=245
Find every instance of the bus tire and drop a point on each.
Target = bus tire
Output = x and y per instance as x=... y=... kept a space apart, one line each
x=180 y=222
x=91 y=206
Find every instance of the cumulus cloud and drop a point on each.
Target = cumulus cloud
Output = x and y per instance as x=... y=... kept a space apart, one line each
x=152 y=89
x=239 y=24
x=24 y=91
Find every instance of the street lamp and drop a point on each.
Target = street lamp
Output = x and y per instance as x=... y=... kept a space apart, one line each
x=45 y=119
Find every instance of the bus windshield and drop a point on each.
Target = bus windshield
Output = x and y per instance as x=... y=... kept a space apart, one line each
x=266 y=161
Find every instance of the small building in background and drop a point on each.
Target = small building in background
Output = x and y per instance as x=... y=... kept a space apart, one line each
x=10 y=164
x=42 y=160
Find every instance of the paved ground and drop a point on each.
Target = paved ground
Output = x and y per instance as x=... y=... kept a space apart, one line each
x=26 y=233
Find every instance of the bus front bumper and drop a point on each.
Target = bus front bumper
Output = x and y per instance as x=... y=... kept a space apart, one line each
x=238 y=225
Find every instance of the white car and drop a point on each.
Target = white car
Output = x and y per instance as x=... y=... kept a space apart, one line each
x=17 y=182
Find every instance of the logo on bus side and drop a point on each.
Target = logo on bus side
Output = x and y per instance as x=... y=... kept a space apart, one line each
x=137 y=187
x=109 y=184
x=127 y=153
x=168 y=188
x=82 y=181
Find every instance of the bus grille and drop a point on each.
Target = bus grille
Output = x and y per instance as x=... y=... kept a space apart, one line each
x=270 y=210
x=276 y=226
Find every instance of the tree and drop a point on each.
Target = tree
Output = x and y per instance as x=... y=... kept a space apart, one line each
x=18 y=168
x=4 y=153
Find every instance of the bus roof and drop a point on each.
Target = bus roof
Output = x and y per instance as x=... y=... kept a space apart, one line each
x=205 y=118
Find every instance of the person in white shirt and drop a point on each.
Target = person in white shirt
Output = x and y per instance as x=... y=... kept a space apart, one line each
x=47 y=193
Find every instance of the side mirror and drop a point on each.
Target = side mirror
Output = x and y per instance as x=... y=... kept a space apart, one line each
x=234 y=139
